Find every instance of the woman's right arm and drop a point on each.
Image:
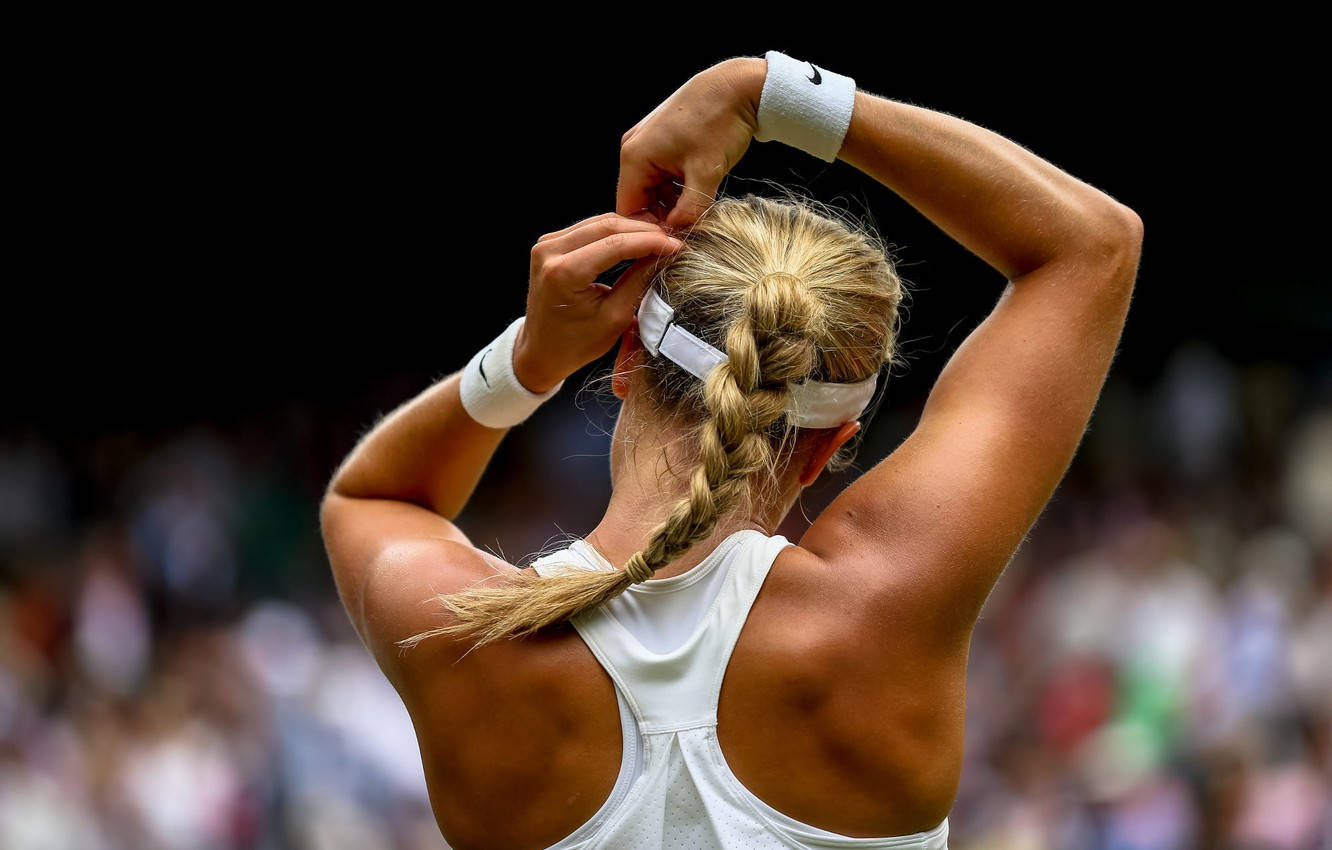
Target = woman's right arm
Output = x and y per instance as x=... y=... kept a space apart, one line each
x=930 y=528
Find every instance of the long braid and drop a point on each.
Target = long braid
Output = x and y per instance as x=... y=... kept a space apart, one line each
x=788 y=294
x=767 y=346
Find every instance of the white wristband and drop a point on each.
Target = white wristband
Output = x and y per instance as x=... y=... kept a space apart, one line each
x=491 y=392
x=805 y=106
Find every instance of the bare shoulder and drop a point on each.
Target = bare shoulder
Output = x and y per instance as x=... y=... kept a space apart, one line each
x=858 y=605
x=402 y=601
x=853 y=696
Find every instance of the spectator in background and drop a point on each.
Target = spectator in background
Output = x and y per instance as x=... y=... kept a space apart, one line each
x=1152 y=673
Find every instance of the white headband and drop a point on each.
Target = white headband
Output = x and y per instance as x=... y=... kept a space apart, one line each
x=814 y=404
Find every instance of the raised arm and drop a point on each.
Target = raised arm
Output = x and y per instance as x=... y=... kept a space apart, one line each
x=387 y=514
x=932 y=526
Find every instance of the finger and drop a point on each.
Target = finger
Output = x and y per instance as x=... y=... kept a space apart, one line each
x=664 y=196
x=633 y=190
x=588 y=222
x=596 y=229
x=699 y=193
x=585 y=263
x=647 y=216
x=628 y=292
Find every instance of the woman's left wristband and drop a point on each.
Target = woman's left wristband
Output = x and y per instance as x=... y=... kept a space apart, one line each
x=490 y=390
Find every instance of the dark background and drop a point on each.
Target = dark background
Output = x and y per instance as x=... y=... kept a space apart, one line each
x=293 y=227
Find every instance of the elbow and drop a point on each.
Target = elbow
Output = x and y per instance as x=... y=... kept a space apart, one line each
x=1127 y=226
x=1127 y=242
x=1113 y=242
x=1115 y=226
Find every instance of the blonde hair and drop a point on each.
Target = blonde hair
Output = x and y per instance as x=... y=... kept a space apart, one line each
x=789 y=294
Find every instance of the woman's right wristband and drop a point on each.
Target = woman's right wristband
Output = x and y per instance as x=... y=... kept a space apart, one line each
x=804 y=106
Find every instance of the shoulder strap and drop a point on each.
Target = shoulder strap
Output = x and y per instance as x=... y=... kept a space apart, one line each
x=679 y=689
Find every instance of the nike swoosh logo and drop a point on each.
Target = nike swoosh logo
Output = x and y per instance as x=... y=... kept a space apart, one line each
x=481 y=365
x=817 y=78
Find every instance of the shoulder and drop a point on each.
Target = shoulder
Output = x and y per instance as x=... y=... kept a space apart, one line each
x=403 y=600
x=847 y=619
x=840 y=654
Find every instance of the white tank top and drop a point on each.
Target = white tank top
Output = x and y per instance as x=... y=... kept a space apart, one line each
x=666 y=644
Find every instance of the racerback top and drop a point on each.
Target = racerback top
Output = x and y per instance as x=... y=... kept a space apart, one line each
x=666 y=644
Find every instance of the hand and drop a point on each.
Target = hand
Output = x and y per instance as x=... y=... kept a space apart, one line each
x=571 y=318
x=699 y=133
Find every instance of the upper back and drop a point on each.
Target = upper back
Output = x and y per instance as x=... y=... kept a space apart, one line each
x=746 y=697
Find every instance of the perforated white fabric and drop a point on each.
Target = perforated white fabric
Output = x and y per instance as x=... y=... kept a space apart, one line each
x=666 y=644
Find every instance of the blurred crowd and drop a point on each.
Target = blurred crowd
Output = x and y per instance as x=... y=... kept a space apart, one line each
x=1153 y=671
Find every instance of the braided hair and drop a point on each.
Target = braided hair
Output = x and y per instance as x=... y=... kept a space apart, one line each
x=789 y=294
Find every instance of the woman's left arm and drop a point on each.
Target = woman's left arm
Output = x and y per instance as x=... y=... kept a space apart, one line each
x=391 y=503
